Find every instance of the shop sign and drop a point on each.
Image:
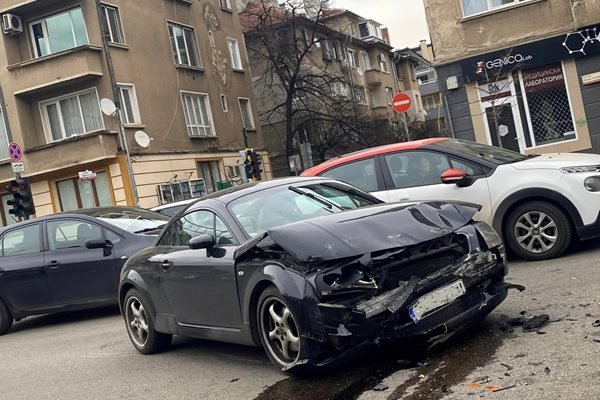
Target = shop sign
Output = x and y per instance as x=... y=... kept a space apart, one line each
x=87 y=175
x=543 y=78
x=591 y=78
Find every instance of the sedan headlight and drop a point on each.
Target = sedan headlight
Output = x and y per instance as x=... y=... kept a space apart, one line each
x=581 y=169
x=489 y=235
x=592 y=183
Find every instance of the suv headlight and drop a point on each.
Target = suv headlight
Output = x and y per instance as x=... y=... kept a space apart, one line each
x=581 y=169
x=489 y=235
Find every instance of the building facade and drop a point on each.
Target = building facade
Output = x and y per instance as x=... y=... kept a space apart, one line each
x=521 y=74
x=180 y=75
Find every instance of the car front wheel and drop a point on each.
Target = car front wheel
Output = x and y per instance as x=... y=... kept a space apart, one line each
x=140 y=325
x=6 y=320
x=538 y=231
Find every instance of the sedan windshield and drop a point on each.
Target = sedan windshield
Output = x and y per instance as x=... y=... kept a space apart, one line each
x=491 y=154
x=286 y=204
x=131 y=219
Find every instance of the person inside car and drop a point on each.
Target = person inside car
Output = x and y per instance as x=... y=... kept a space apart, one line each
x=422 y=171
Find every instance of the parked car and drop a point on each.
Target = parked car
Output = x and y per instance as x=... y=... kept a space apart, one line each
x=312 y=270
x=170 y=209
x=539 y=203
x=69 y=261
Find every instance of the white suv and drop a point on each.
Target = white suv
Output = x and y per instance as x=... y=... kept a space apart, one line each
x=539 y=203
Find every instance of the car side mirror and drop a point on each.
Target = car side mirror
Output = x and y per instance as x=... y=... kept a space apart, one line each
x=453 y=176
x=95 y=244
x=204 y=241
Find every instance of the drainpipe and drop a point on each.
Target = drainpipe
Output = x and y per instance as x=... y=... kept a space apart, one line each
x=115 y=90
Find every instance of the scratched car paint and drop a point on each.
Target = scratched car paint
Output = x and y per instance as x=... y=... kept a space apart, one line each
x=314 y=290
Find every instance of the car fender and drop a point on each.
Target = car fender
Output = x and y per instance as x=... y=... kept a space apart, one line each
x=134 y=280
x=534 y=193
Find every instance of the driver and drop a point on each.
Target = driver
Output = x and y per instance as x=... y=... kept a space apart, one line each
x=423 y=171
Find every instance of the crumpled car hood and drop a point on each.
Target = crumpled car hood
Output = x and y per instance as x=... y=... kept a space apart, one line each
x=366 y=230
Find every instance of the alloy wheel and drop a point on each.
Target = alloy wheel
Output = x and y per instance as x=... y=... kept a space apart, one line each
x=536 y=232
x=280 y=331
x=137 y=322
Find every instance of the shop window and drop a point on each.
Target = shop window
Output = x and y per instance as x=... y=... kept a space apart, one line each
x=74 y=193
x=547 y=105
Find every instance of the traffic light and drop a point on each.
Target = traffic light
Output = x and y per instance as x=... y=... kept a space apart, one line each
x=22 y=201
x=252 y=165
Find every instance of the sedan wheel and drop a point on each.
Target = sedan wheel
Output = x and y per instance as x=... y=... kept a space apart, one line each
x=538 y=231
x=140 y=326
x=279 y=331
x=6 y=320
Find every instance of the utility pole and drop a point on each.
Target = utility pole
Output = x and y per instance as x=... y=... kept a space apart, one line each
x=115 y=89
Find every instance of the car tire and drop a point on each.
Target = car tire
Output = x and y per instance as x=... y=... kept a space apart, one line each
x=6 y=319
x=538 y=231
x=140 y=325
x=279 y=332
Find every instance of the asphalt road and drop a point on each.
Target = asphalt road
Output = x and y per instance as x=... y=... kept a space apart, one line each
x=87 y=355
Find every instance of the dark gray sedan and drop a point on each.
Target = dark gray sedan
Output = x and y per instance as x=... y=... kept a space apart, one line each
x=313 y=270
x=69 y=261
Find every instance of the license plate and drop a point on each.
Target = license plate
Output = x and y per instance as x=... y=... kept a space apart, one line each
x=436 y=299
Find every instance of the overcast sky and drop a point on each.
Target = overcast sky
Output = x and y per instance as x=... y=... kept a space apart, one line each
x=404 y=18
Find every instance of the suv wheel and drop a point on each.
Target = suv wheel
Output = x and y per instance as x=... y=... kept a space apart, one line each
x=538 y=231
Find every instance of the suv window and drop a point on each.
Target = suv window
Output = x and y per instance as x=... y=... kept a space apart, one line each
x=197 y=223
x=359 y=173
x=416 y=168
x=71 y=233
x=25 y=240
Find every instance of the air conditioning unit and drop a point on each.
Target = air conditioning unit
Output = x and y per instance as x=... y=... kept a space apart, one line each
x=12 y=24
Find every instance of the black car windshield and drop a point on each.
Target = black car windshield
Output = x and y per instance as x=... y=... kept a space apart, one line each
x=282 y=205
x=491 y=154
x=131 y=219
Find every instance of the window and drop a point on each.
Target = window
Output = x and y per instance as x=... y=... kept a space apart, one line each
x=25 y=240
x=383 y=62
x=71 y=115
x=359 y=94
x=359 y=173
x=246 y=110
x=209 y=170
x=71 y=233
x=58 y=32
x=327 y=51
x=130 y=114
x=389 y=92
x=74 y=193
x=426 y=76
x=234 y=54
x=197 y=223
x=471 y=7
x=113 y=21
x=337 y=51
x=352 y=58
x=369 y=29
x=224 y=105
x=365 y=60
x=341 y=89
x=416 y=168
x=196 y=108
x=3 y=135
x=185 y=48
x=226 y=4
x=432 y=102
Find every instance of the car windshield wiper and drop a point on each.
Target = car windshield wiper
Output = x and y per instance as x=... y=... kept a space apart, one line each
x=324 y=202
x=150 y=229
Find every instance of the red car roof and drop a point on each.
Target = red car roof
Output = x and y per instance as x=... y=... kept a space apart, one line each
x=371 y=152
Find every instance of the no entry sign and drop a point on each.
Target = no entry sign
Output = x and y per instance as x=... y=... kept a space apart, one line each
x=401 y=102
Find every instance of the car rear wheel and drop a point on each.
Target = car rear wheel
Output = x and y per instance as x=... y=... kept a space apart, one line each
x=538 y=231
x=279 y=330
x=140 y=325
x=6 y=320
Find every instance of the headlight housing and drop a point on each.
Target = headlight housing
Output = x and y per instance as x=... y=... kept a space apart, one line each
x=581 y=169
x=592 y=183
x=488 y=234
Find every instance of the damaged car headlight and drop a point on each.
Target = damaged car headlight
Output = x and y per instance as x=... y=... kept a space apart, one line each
x=488 y=234
x=343 y=279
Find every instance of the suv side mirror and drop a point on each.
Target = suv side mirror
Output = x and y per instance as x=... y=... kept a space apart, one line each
x=453 y=176
x=203 y=241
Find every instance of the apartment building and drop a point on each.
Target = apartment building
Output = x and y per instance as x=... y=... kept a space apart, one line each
x=524 y=74
x=180 y=74
x=349 y=45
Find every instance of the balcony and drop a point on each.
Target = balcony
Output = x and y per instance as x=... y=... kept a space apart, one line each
x=56 y=70
x=434 y=113
x=429 y=87
x=374 y=77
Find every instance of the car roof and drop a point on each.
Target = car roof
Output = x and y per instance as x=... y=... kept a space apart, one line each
x=173 y=204
x=371 y=152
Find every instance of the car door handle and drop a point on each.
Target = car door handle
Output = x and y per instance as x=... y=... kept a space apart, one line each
x=165 y=265
x=54 y=264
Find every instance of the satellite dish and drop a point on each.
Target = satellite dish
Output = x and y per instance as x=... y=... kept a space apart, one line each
x=108 y=107
x=142 y=138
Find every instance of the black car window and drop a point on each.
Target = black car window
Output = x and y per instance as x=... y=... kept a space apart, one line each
x=470 y=168
x=416 y=168
x=197 y=223
x=359 y=173
x=25 y=240
x=70 y=233
x=113 y=237
x=171 y=211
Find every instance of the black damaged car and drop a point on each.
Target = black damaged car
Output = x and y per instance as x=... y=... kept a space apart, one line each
x=312 y=270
